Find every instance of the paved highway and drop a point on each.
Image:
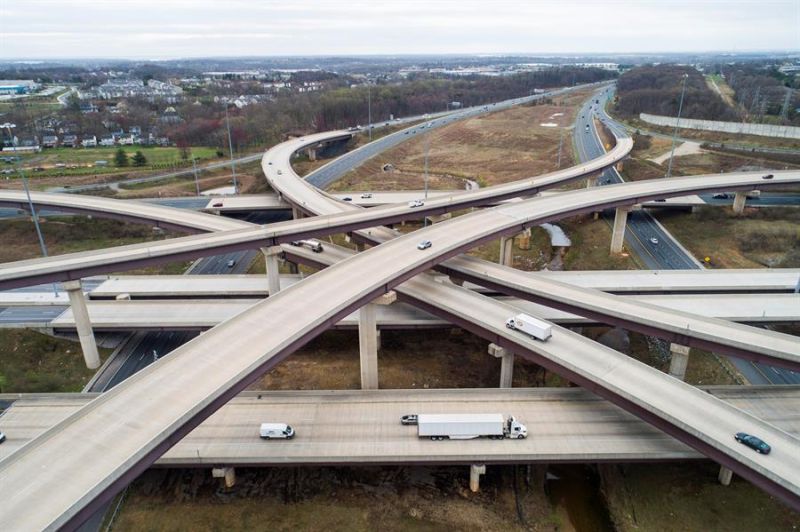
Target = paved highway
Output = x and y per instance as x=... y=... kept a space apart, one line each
x=193 y=314
x=363 y=426
x=336 y=290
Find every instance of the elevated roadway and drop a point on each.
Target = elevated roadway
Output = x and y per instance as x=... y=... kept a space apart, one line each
x=668 y=404
x=171 y=315
x=363 y=427
x=167 y=400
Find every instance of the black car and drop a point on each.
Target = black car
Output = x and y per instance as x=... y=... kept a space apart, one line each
x=757 y=444
x=768 y=176
x=408 y=419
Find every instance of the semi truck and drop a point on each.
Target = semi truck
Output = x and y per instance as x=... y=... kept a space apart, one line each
x=469 y=426
x=539 y=329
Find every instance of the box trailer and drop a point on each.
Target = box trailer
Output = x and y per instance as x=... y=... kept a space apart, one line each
x=469 y=426
x=539 y=329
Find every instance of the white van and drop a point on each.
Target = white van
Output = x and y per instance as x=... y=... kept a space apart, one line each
x=276 y=430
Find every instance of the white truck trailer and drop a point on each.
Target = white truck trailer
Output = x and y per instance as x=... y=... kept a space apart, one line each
x=469 y=426
x=539 y=329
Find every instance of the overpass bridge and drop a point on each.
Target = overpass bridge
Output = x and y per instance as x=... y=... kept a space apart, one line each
x=363 y=426
x=157 y=417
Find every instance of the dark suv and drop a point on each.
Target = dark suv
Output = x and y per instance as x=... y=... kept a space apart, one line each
x=757 y=444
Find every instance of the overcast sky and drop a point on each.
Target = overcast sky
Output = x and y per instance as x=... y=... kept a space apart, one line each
x=204 y=28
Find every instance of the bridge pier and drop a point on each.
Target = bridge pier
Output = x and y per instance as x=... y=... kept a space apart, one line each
x=368 y=340
x=525 y=239
x=506 y=250
x=228 y=473
x=678 y=361
x=271 y=255
x=475 y=472
x=591 y=181
x=82 y=323
x=739 y=200
x=725 y=476
x=312 y=154
x=296 y=213
x=506 y=364
x=618 y=233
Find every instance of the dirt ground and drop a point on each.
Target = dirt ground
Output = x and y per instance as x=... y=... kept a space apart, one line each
x=491 y=149
x=357 y=499
x=436 y=358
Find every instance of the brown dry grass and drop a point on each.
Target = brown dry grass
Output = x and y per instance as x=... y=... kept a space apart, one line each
x=718 y=233
x=491 y=149
x=438 y=358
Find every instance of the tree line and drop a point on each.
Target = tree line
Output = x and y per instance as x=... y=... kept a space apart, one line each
x=657 y=90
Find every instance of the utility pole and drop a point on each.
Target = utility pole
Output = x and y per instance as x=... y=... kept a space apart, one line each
x=677 y=122
x=427 y=149
x=8 y=126
x=560 y=145
x=194 y=169
x=230 y=147
x=369 y=109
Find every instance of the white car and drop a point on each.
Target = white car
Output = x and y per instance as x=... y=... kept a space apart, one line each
x=366 y=195
x=416 y=203
x=425 y=244
x=654 y=240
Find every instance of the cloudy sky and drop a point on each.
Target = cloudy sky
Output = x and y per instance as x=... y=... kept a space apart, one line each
x=203 y=28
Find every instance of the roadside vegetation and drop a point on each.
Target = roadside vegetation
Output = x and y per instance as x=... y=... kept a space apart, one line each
x=761 y=238
x=491 y=149
x=70 y=234
x=33 y=362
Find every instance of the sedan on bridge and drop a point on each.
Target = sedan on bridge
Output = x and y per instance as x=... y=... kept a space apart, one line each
x=653 y=240
x=757 y=444
x=425 y=244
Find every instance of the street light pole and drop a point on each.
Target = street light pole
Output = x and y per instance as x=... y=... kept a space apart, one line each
x=230 y=148
x=677 y=122
x=369 y=109
x=35 y=217
x=194 y=169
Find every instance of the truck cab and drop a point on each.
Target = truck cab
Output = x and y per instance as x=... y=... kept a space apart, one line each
x=515 y=429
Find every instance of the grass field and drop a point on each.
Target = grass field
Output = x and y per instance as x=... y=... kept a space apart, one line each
x=32 y=362
x=158 y=158
x=77 y=233
x=758 y=239
x=687 y=496
x=491 y=149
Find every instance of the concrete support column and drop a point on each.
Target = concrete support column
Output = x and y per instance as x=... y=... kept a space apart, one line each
x=271 y=255
x=524 y=239
x=678 y=361
x=296 y=213
x=739 y=201
x=228 y=473
x=368 y=340
x=506 y=250
x=618 y=233
x=475 y=472
x=84 y=326
x=312 y=154
x=506 y=364
x=725 y=476
x=591 y=181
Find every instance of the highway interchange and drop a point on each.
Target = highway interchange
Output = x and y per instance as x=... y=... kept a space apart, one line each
x=391 y=263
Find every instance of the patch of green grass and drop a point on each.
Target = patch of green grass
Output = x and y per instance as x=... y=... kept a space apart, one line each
x=32 y=362
x=687 y=496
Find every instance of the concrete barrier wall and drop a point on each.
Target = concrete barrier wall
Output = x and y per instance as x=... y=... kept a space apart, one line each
x=763 y=130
